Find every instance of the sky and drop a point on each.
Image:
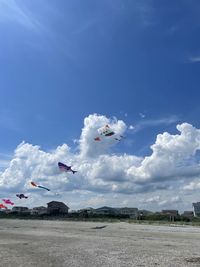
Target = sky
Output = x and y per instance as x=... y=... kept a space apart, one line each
x=69 y=68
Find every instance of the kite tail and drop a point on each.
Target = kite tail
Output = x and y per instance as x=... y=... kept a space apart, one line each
x=74 y=171
x=43 y=187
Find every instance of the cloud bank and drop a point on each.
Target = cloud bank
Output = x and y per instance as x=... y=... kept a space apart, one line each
x=99 y=171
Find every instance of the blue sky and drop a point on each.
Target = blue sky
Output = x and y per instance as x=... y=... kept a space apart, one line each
x=61 y=61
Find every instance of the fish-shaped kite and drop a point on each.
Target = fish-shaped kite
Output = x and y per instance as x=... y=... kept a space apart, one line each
x=8 y=201
x=65 y=168
x=21 y=196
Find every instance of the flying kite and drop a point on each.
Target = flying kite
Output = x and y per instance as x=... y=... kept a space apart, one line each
x=39 y=186
x=65 y=168
x=107 y=131
x=8 y=201
x=21 y=196
x=2 y=206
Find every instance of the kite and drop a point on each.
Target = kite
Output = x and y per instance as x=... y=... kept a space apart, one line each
x=39 y=186
x=2 y=206
x=7 y=201
x=65 y=168
x=21 y=196
x=107 y=131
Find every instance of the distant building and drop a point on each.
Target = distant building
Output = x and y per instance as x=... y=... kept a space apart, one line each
x=131 y=212
x=20 y=210
x=8 y=211
x=196 y=209
x=4 y=211
x=173 y=214
x=105 y=211
x=86 y=210
x=39 y=211
x=144 y=212
x=170 y=212
x=188 y=214
x=56 y=207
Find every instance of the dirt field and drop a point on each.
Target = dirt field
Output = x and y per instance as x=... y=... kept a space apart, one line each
x=84 y=244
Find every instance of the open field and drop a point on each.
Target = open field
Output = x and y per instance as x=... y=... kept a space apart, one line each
x=84 y=244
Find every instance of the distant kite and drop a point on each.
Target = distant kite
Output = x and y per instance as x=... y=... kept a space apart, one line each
x=107 y=132
x=8 y=201
x=2 y=206
x=39 y=186
x=21 y=196
x=65 y=168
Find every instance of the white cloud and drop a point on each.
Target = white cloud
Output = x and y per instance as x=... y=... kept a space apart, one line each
x=99 y=200
x=131 y=127
x=194 y=185
x=162 y=201
x=99 y=171
x=154 y=199
x=194 y=59
x=91 y=148
x=142 y=115
x=171 y=201
x=16 y=12
x=154 y=122
x=169 y=151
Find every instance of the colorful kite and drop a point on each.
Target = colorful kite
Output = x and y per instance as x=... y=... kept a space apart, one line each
x=2 y=206
x=21 y=196
x=39 y=186
x=107 y=131
x=65 y=168
x=8 y=201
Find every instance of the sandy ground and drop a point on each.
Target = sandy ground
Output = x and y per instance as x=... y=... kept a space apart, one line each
x=79 y=244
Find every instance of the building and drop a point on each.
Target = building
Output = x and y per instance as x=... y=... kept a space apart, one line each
x=145 y=212
x=105 y=211
x=20 y=210
x=39 y=211
x=56 y=207
x=170 y=212
x=188 y=214
x=173 y=214
x=131 y=212
x=196 y=209
x=86 y=211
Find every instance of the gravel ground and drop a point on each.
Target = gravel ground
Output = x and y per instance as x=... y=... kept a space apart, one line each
x=85 y=244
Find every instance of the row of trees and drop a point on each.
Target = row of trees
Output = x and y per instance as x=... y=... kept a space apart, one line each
x=88 y=216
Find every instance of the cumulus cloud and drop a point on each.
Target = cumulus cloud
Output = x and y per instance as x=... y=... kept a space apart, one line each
x=171 y=201
x=192 y=186
x=154 y=199
x=101 y=171
x=162 y=201
x=169 y=154
x=90 y=148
